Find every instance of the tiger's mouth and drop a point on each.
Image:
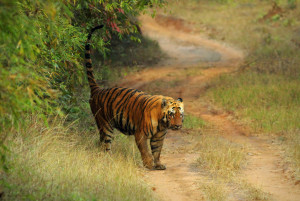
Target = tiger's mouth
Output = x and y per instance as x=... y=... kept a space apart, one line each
x=176 y=127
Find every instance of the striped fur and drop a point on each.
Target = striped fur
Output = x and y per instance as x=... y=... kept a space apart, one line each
x=133 y=112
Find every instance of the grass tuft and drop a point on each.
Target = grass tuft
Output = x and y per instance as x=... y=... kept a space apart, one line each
x=192 y=122
x=219 y=156
x=254 y=193
x=213 y=191
x=292 y=146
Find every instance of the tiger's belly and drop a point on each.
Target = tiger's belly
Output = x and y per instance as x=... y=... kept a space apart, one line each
x=127 y=129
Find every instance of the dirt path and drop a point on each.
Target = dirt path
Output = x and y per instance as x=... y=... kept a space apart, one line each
x=194 y=61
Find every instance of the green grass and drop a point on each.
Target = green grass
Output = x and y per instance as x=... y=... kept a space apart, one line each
x=192 y=122
x=270 y=102
x=60 y=163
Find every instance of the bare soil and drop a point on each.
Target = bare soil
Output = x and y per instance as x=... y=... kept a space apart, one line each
x=193 y=61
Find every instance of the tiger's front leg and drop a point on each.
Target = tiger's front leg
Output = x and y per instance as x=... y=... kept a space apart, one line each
x=141 y=141
x=156 y=143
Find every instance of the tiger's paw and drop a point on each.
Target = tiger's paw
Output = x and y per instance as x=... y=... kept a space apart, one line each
x=159 y=167
x=149 y=164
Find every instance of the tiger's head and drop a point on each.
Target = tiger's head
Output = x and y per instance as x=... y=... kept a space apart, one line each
x=173 y=113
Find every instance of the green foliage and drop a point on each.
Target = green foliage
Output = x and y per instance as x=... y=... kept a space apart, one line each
x=130 y=53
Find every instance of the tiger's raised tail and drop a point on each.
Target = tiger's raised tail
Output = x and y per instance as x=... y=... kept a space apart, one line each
x=88 y=61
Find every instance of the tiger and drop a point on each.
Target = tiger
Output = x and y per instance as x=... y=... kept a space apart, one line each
x=133 y=112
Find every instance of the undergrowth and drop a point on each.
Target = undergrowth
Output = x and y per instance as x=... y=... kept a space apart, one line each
x=61 y=163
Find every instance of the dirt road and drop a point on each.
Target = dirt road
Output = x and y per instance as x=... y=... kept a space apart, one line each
x=193 y=61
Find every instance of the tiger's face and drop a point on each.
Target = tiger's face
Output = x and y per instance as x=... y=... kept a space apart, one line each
x=173 y=111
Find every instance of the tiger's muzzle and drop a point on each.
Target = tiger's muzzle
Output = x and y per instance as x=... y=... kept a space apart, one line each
x=176 y=127
x=176 y=121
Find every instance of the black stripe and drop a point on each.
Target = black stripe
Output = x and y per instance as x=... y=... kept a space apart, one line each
x=158 y=129
x=97 y=27
x=136 y=99
x=87 y=55
x=120 y=123
x=106 y=102
x=118 y=106
x=151 y=131
x=156 y=139
x=122 y=98
x=87 y=47
x=107 y=141
x=107 y=135
x=147 y=102
x=107 y=127
x=152 y=103
x=128 y=126
x=88 y=65
x=112 y=101
x=153 y=147
x=89 y=36
x=128 y=98
x=109 y=102
x=111 y=95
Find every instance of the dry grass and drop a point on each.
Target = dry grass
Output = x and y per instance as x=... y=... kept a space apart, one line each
x=252 y=192
x=219 y=156
x=58 y=163
x=292 y=146
x=214 y=191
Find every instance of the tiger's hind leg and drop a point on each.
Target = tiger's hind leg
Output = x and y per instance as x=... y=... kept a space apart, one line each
x=156 y=143
x=106 y=133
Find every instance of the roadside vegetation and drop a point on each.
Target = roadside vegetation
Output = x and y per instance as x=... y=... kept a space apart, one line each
x=59 y=162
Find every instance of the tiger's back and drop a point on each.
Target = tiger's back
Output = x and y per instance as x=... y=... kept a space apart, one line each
x=128 y=110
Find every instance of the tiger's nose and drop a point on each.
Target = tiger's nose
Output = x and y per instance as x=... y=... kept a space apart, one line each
x=177 y=126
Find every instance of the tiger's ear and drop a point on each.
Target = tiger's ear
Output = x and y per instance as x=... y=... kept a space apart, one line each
x=163 y=103
x=180 y=99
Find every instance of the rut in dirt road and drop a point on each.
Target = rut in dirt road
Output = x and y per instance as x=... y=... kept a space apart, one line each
x=188 y=51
